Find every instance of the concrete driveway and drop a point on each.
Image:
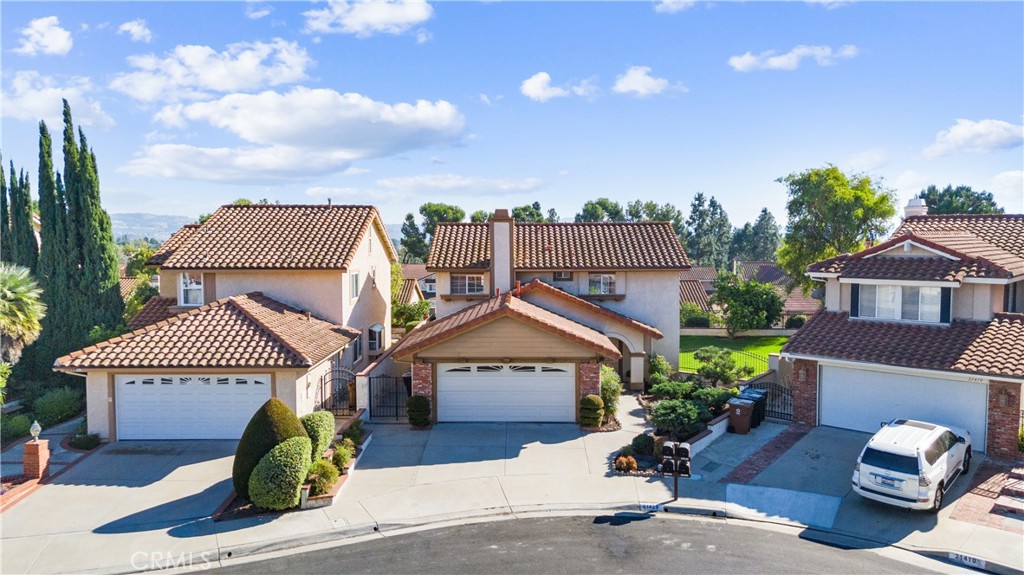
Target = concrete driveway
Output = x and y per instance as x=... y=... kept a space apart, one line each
x=118 y=506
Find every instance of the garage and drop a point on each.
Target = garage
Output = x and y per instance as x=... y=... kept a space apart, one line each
x=190 y=406
x=506 y=392
x=862 y=399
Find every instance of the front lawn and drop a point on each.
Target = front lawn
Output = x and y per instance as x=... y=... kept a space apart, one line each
x=758 y=346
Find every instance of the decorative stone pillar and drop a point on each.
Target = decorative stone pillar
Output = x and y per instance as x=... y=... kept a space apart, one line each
x=1003 y=419
x=590 y=379
x=37 y=458
x=423 y=384
x=805 y=392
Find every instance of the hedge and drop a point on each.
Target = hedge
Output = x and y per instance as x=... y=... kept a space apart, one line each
x=273 y=423
x=276 y=481
x=320 y=428
x=591 y=411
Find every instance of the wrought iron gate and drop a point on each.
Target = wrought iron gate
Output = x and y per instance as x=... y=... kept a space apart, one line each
x=337 y=388
x=388 y=396
x=779 y=398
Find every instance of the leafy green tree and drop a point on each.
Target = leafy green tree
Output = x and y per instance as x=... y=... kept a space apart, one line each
x=958 y=200
x=21 y=311
x=5 y=372
x=435 y=213
x=639 y=211
x=830 y=214
x=710 y=233
x=758 y=241
x=746 y=304
x=24 y=248
x=601 y=210
x=144 y=291
x=5 y=218
x=718 y=367
x=530 y=213
x=413 y=241
x=552 y=217
x=479 y=216
x=137 y=255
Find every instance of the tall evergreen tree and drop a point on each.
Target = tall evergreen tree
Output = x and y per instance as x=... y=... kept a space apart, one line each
x=413 y=240
x=24 y=249
x=710 y=233
x=765 y=236
x=5 y=218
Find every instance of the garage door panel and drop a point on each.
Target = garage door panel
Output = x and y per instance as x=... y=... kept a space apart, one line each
x=515 y=392
x=862 y=399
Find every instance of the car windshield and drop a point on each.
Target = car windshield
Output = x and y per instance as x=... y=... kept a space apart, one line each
x=889 y=461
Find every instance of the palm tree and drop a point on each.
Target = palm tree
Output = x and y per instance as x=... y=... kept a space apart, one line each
x=21 y=311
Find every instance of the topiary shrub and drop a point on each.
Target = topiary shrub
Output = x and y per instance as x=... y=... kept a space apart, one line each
x=276 y=481
x=14 y=427
x=681 y=418
x=273 y=423
x=57 y=405
x=672 y=390
x=319 y=426
x=715 y=398
x=611 y=389
x=324 y=475
x=343 y=454
x=626 y=464
x=660 y=365
x=795 y=321
x=418 y=408
x=657 y=379
x=643 y=444
x=591 y=411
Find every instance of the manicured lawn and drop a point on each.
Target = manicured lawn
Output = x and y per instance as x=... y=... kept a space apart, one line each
x=759 y=346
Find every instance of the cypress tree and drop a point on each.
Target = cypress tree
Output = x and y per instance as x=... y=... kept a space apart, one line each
x=24 y=249
x=5 y=222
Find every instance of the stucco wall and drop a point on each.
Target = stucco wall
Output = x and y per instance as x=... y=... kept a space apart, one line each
x=307 y=387
x=317 y=291
x=508 y=338
x=633 y=338
x=98 y=405
x=444 y=287
x=653 y=298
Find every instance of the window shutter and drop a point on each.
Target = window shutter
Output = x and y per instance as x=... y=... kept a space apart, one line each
x=854 y=300
x=944 y=313
x=1006 y=297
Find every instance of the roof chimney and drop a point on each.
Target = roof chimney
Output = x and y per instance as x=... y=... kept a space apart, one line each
x=915 y=207
x=501 y=229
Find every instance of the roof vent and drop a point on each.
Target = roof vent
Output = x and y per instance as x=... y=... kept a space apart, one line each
x=915 y=207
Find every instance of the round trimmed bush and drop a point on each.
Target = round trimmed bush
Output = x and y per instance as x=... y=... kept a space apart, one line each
x=680 y=417
x=796 y=321
x=672 y=390
x=326 y=476
x=319 y=426
x=660 y=365
x=276 y=481
x=273 y=423
x=418 y=408
x=643 y=444
x=342 y=455
x=591 y=411
x=716 y=399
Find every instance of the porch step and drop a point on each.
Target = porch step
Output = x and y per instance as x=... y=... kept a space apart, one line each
x=1007 y=505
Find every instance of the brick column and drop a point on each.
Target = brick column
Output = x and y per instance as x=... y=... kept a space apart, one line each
x=37 y=459
x=423 y=384
x=1003 y=419
x=590 y=379
x=805 y=392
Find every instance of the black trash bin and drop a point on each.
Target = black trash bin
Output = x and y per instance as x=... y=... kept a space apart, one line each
x=760 y=399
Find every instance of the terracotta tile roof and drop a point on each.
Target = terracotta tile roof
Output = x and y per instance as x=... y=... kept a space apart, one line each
x=764 y=272
x=996 y=238
x=693 y=292
x=700 y=273
x=154 y=310
x=128 y=286
x=794 y=302
x=434 y=332
x=250 y=330
x=415 y=271
x=993 y=348
x=918 y=269
x=274 y=237
x=564 y=246
x=409 y=287
x=539 y=286
x=179 y=238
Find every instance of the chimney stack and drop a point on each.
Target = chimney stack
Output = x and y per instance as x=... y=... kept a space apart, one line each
x=502 y=238
x=915 y=207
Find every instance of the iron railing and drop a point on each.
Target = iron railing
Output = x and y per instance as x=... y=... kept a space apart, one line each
x=757 y=362
x=388 y=396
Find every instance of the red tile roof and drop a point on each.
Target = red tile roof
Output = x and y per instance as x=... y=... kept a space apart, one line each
x=273 y=237
x=996 y=238
x=250 y=331
x=409 y=287
x=691 y=291
x=415 y=271
x=794 y=302
x=700 y=273
x=431 y=333
x=991 y=348
x=154 y=310
x=764 y=272
x=539 y=286
x=128 y=286
x=565 y=246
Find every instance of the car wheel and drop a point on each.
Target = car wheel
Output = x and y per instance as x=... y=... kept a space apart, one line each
x=937 y=504
x=967 y=461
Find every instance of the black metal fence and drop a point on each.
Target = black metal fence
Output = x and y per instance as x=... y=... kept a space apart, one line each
x=337 y=392
x=757 y=362
x=779 y=398
x=388 y=396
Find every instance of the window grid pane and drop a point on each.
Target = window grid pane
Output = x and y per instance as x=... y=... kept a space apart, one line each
x=886 y=303
x=931 y=304
x=911 y=303
x=867 y=300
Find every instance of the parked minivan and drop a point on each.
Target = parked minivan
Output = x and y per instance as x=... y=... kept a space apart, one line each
x=912 y=464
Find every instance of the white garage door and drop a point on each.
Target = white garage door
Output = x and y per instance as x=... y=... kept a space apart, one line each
x=861 y=399
x=187 y=406
x=506 y=392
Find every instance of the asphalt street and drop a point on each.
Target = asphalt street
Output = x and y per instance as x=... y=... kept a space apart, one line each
x=603 y=544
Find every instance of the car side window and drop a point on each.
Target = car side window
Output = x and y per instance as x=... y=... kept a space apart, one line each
x=934 y=451
x=948 y=440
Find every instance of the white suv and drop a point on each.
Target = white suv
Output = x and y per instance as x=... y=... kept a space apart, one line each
x=912 y=464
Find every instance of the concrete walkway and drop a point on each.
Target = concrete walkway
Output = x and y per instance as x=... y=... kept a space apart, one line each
x=11 y=460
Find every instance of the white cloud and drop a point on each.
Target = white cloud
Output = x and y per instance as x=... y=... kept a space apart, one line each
x=538 y=88
x=137 y=29
x=637 y=80
x=303 y=132
x=364 y=19
x=772 y=60
x=423 y=36
x=346 y=192
x=867 y=160
x=255 y=10
x=829 y=4
x=1008 y=189
x=33 y=97
x=673 y=6
x=459 y=184
x=44 y=36
x=909 y=183
x=354 y=171
x=976 y=136
x=191 y=72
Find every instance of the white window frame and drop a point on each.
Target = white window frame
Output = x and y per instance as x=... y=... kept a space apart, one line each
x=357 y=349
x=188 y=284
x=605 y=283
x=897 y=303
x=467 y=285
x=562 y=276
x=354 y=285
x=429 y=287
x=375 y=338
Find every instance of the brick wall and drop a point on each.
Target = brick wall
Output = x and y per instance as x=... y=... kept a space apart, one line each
x=36 y=458
x=423 y=383
x=805 y=392
x=590 y=379
x=1003 y=419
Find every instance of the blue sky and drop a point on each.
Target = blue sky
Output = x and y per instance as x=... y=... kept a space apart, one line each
x=189 y=105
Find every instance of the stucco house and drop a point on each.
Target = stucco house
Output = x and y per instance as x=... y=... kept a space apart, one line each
x=259 y=301
x=928 y=325
x=526 y=313
x=424 y=278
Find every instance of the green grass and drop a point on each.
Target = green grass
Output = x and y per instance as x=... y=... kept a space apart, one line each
x=760 y=346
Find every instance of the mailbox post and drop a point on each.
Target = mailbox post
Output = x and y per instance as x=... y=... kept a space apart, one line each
x=675 y=457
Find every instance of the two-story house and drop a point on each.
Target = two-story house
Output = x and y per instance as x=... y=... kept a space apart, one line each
x=927 y=325
x=259 y=301
x=526 y=313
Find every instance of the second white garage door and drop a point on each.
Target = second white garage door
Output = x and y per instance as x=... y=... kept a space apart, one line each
x=506 y=392
x=862 y=399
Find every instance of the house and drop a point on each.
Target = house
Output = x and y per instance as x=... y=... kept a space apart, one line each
x=706 y=275
x=526 y=314
x=692 y=291
x=794 y=300
x=426 y=279
x=928 y=325
x=259 y=301
x=410 y=292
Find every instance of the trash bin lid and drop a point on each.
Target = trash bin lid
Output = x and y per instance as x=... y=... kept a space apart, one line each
x=740 y=401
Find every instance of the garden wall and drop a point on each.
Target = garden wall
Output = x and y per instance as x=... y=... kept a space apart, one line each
x=716 y=428
x=721 y=332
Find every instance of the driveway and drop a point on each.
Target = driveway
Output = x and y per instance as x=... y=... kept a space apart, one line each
x=118 y=506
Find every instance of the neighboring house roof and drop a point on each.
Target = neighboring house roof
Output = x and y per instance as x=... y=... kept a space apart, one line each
x=795 y=302
x=416 y=271
x=128 y=286
x=764 y=272
x=691 y=291
x=431 y=333
x=266 y=236
x=154 y=310
x=991 y=348
x=410 y=287
x=178 y=239
x=539 y=286
x=996 y=238
x=250 y=330
x=563 y=246
x=700 y=273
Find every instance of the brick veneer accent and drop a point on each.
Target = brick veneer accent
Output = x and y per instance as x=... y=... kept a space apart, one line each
x=423 y=383
x=1003 y=419
x=590 y=379
x=37 y=459
x=805 y=392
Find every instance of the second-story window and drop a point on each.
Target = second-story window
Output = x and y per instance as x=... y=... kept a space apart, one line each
x=907 y=303
x=375 y=337
x=602 y=284
x=563 y=276
x=467 y=284
x=355 y=285
x=190 y=291
x=429 y=286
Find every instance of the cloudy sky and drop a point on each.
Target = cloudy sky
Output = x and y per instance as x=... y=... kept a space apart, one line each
x=192 y=104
